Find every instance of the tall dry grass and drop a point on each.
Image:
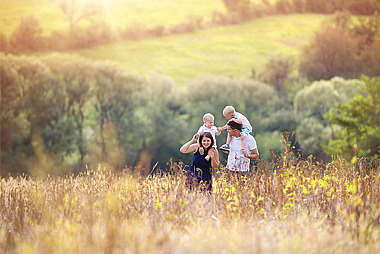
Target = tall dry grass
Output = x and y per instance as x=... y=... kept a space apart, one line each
x=284 y=207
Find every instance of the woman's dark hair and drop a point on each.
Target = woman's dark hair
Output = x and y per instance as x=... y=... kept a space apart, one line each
x=207 y=135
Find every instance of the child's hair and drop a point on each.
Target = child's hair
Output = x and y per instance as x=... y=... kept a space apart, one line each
x=208 y=117
x=207 y=135
x=228 y=110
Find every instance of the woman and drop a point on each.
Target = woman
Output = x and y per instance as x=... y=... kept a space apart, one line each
x=205 y=158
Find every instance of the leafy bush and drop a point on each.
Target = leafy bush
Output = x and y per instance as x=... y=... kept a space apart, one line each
x=28 y=36
x=358 y=119
x=343 y=49
x=310 y=105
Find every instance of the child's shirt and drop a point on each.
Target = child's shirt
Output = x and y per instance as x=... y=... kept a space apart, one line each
x=246 y=123
x=213 y=130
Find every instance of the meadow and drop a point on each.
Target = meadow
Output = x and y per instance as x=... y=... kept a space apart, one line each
x=115 y=12
x=228 y=51
x=225 y=51
x=284 y=207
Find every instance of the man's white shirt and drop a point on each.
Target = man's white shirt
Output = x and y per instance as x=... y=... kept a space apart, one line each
x=235 y=161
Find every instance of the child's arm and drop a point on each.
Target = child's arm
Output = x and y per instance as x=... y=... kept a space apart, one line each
x=222 y=128
x=239 y=121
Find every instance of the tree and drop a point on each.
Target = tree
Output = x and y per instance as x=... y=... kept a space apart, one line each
x=343 y=49
x=368 y=31
x=27 y=36
x=363 y=7
x=358 y=120
x=239 y=8
x=163 y=126
x=78 y=10
x=3 y=43
x=332 y=52
x=310 y=105
x=116 y=91
x=74 y=77
x=29 y=107
x=277 y=71
x=14 y=127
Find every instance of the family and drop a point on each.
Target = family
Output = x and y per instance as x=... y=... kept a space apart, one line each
x=240 y=146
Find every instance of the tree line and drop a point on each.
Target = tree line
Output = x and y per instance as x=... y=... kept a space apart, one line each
x=62 y=112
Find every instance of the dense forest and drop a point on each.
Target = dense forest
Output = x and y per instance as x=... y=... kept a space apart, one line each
x=62 y=113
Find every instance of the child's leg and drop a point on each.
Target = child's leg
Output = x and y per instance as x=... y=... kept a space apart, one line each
x=244 y=133
x=242 y=139
x=226 y=146
x=228 y=140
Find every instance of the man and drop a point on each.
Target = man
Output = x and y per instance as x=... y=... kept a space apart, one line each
x=237 y=162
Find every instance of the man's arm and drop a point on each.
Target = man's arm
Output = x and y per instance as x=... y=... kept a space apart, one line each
x=253 y=154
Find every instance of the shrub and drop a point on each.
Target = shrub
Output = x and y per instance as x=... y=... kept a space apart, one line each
x=27 y=36
x=277 y=71
x=3 y=43
x=331 y=52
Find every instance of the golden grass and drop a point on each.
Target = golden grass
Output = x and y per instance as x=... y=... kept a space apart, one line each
x=302 y=207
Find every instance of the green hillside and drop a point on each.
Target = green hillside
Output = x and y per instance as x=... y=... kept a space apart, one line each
x=120 y=13
x=229 y=51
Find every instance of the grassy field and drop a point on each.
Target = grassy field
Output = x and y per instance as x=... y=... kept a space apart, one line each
x=303 y=207
x=117 y=12
x=228 y=51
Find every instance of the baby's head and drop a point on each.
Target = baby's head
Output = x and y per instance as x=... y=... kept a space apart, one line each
x=208 y=120
x=229 y=112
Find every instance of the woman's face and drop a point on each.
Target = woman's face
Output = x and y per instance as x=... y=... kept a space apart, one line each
x=206 y=142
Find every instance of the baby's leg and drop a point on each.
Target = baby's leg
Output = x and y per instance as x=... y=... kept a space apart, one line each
x=242 y=139
x=228 y=139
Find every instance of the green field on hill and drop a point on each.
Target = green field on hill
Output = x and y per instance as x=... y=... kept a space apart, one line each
x=120 y=13
x=228 y=51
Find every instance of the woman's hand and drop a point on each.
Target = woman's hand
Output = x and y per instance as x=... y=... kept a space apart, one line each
x=214 y=155
x=189 y=147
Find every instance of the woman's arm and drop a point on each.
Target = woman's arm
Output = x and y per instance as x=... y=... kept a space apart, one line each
x=214 y=154
x=189 y=147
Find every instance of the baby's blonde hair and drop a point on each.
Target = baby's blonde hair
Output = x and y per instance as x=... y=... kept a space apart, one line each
x=207 y=117
x=228 y=110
